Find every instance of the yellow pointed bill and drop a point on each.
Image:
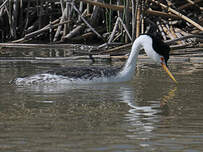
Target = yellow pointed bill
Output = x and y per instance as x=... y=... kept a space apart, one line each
x=169 y=73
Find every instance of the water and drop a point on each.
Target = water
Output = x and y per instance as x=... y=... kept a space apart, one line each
x=148 y=114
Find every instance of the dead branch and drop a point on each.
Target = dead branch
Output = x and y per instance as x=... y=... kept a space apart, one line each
x=179 y=14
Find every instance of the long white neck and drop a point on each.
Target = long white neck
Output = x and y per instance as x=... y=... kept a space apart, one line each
x=143 y=41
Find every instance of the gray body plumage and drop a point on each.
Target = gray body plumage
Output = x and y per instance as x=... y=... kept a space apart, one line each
x=85 y=72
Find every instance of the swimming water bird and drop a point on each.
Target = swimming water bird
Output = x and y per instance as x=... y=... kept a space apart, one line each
x=154 y=47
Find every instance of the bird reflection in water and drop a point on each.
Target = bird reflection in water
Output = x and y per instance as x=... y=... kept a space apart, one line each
x=143 y=116
x=164 y=103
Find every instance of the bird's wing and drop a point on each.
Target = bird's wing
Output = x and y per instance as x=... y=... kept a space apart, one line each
x=85 y=72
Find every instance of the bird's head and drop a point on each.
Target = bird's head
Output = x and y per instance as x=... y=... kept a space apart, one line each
x=161 y=51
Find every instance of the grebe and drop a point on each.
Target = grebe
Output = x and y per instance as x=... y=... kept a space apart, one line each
x=154 y=47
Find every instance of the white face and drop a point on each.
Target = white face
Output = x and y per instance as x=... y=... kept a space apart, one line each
x=147 y=45
x=155 y=56
x=158 y=58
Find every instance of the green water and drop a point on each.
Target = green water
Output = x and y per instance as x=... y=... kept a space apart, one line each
x=148 y=114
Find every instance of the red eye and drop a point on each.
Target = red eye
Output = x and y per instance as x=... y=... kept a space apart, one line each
x=162 y=59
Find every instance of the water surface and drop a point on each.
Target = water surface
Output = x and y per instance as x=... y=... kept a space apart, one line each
x=150 y=113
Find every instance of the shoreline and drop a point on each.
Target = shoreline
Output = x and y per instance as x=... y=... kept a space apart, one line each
x=98 y=59
x=65 y=53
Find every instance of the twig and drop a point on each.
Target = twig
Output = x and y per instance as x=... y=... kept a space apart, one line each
x=121 y=8
x=133 y=18
x=14 y=17
x=175 y=35
x=188 y=4
x=116 y=48
x=4 y=3
x=125 y=28
x=184 y=37
x=62 y=5
x=161 y=30
x=35 y=33
x=115 y=27
x=114 y=31
x=74 y=32
x=84 y=20
x=88 y=35
x=138 y=19
x=127 y=18
x=60 y=26
x=179 y=14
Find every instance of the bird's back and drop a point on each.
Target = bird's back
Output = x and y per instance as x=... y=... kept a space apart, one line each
x=85 y=72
